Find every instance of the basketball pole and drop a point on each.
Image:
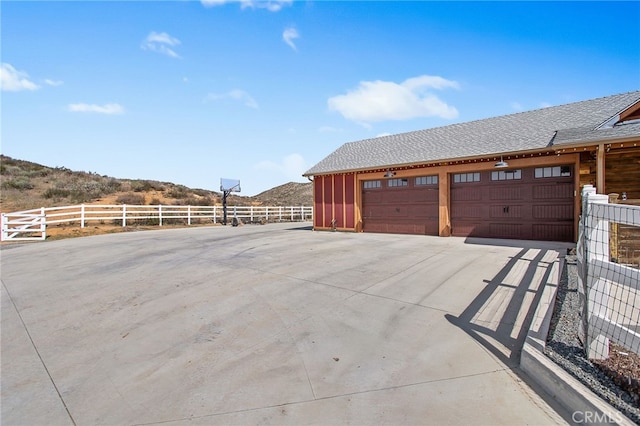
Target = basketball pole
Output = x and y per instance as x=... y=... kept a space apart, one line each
x=225 y=194
x=226 y=190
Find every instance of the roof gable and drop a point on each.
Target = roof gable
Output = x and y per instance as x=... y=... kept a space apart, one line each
x=523 y=131
x=631 y=113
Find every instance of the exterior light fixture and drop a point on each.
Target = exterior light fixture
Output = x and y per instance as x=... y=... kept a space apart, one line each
x=389 y=174
x=501 y=164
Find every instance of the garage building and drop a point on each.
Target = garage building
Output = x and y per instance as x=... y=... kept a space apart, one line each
x=516 y=176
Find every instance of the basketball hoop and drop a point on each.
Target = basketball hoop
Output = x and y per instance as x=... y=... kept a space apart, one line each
x=227 y=186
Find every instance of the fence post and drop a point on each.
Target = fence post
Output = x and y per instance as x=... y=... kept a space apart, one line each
x=266 y=213
x=189 y=215
x=124 y=215
x=251 y=214
x=596 y=248
x=5 y=234
x=82 y=216
x=583 y=290
x=159 y=214
x=43 y=223
x=613 y=234
x=215 y=210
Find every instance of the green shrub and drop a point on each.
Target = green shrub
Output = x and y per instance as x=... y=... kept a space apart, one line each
x=56 y=193
x=134 y=199
x=201 y=192
x=146 y=185
x=178 y=191
x=20 y=183
x=112 y=185
x=80 y=196
x=189 y=201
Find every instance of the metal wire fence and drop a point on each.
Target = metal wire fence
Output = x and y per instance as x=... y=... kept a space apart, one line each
x=608 y=283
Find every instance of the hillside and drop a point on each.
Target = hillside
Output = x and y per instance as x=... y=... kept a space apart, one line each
x=26 y=185
x=289 y=194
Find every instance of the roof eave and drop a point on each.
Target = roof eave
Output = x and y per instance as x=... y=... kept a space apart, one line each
x=487 y=157
x=595 y=142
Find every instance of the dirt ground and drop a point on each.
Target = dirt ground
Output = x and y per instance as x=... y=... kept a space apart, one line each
x=58 y=232
x=623 y=366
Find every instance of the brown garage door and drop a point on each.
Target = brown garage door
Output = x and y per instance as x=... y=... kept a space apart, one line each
x=530 y=204
x=401 y=206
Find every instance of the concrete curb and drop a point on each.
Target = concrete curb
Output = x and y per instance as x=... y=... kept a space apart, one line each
x=583 y=404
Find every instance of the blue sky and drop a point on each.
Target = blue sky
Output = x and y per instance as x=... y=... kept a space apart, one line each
x=193 y=91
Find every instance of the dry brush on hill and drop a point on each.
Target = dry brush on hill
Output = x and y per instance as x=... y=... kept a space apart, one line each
x=26 y=185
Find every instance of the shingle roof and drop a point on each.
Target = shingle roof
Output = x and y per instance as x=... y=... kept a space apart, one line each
x=525 y=131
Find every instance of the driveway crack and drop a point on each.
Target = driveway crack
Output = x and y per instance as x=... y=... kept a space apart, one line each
x=35 y=348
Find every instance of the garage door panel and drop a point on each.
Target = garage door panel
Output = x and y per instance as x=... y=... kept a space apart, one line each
x=393 y=212
x=553 y=232
x=469 y=229
x=408 y=209
x=427 y=211
x=398 y=196
x=506 y=193
x=428 y=195
x=506 y=212
x=466 y=194
x=373 y=225
x=506 y=230
x=404 y=228
x=522 y=207
x=466 y=211
x=553 y=191
x=372 y=197
x=553 y=212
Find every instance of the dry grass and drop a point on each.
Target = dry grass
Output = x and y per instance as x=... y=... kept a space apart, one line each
x=25 y=185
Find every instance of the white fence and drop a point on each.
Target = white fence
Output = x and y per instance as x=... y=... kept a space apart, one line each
x=32 y=224
x=610 y=291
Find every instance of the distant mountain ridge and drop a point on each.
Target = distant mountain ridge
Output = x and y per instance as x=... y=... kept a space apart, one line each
x=26 y=185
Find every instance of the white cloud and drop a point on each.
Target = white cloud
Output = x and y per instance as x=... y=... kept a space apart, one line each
x=545 y=105
x=386 y=100
x=291 y=167
x=13 y=80
x=289 y=35
x=161 y=43
x=270 y=5
x=54 y=82
x=516 y=106
x=236 y=95
x=110 y=109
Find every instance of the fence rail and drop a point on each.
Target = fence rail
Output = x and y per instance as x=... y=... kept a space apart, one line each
x=610 y=291
x=32 y=225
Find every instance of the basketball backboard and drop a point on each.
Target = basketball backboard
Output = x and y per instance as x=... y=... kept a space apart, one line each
x=229 y=185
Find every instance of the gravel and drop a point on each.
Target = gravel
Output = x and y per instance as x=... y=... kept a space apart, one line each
x=565 y=348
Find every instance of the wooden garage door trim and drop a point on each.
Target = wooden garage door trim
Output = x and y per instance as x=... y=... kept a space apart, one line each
x=529 y=207
x=401 y=206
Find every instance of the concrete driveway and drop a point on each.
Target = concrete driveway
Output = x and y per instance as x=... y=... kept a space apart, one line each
x=272 y=324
